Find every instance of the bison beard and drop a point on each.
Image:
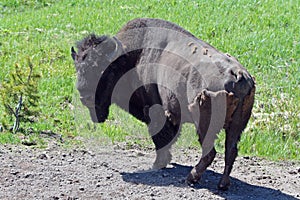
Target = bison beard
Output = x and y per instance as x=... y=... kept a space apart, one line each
x=165 y=76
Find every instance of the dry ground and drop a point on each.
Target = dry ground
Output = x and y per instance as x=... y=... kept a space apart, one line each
x=115 y=173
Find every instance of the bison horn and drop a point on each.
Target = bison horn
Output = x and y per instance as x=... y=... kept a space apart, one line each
x=73 y=53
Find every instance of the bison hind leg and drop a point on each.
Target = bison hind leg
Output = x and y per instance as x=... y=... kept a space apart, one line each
x=198 y=170
x=239 y=120
x=209 y=113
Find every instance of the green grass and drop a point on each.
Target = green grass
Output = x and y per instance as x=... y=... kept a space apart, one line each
x=9 y=138
x=263 y=35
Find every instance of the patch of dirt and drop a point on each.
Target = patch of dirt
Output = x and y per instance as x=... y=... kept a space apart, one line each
x=115 y=173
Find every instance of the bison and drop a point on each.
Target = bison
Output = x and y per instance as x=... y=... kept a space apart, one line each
x=165 y=76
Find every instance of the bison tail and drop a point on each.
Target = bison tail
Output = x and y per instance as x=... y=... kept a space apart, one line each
x=242 y=85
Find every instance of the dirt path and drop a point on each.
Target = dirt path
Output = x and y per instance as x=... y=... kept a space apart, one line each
x=115 y=173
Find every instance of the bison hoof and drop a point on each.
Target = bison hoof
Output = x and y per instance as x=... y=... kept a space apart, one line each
x=157 y=167
x=190 y=182
x=193 y=177
x=163 y=158
x=224 y=184
x=160 y=163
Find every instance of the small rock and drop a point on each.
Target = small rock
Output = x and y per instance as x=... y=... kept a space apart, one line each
x=116 y=170
x=88 y=152
x=28 y=142
x=14 y=172
x=71 y=181
x=72 y=198
x=140 y=154
x=28 y=176
x=104 y=164
x=81 y=188
x=292 y=172
x=263 y=177
x=191 y=185
x=43 y=156
x=11 y=165
x=109 y=176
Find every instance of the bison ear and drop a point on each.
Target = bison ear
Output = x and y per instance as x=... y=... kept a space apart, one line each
x=73 y=53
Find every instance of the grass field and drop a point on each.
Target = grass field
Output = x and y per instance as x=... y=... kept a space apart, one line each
x=263 y=35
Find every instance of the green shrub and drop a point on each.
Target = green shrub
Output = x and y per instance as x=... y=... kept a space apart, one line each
x=19 y=97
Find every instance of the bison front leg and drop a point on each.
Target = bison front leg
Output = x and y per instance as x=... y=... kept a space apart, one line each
x=164 y=131
x=163 y=141
x=163 y=158
x=208 y=112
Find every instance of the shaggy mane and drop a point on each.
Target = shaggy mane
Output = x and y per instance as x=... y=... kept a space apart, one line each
x=89 y=41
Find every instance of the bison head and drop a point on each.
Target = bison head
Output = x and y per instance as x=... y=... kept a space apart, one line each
x=94 y=56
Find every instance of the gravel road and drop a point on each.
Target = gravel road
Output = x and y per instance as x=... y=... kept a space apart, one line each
x=114 y=172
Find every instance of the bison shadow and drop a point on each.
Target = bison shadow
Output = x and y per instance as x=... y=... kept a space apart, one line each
x=176 y=177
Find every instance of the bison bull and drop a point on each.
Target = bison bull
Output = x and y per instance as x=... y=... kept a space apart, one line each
x=165 y=76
